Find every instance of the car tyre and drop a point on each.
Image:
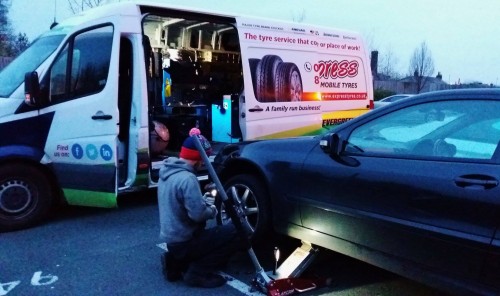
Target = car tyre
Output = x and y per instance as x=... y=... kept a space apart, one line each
x=25 y=196
x=254 y=201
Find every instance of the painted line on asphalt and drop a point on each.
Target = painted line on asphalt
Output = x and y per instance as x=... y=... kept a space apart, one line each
x=233 y=282
x=240 y=286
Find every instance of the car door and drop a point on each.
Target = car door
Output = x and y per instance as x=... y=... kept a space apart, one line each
x=81 y=87
x=419 y=184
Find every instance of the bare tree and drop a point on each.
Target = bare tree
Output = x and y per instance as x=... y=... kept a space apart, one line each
x=421 y=66
x=370 y=42
x=299 y=16
x=388 y=63
x=77 y=6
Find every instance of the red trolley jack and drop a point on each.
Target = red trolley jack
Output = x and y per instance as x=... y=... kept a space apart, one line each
x=283 y=280
x=286 y=280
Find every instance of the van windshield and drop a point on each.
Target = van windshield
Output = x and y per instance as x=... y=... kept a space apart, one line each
x=13 y=75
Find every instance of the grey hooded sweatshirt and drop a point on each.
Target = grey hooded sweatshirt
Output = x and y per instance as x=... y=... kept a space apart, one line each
x=181 y=204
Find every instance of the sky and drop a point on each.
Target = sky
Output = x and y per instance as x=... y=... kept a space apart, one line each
x=463 y=36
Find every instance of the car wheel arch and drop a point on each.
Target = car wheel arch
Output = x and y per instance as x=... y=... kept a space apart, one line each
x=239 y=168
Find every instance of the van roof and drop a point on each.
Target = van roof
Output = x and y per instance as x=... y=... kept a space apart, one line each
x=133 y=8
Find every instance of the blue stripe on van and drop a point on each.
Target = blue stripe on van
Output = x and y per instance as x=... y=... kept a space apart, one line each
x=22 y=151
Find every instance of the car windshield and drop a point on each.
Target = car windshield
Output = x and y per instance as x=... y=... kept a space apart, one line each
x=13 y=75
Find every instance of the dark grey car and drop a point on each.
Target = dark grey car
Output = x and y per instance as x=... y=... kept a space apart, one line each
x=412 y=188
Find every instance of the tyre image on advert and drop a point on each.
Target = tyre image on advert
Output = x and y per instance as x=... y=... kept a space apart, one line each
x=275 y=80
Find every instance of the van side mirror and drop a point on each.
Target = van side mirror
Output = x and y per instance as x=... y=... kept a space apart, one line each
x=31 y=89
x=332 y=144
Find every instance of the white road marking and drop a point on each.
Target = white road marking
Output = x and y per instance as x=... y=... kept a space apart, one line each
x=236 y=284
x=42 y=280
x=7 y=287
x=240 y=286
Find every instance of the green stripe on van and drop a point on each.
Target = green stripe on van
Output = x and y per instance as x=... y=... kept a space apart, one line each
x=90 y=198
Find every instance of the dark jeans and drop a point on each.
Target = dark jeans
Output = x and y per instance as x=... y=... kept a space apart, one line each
x=210 y=249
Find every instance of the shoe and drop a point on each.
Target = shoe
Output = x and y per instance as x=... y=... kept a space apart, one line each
x=171 y=267
x=209 y=280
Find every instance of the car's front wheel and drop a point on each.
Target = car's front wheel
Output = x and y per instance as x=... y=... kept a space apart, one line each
x=251 y=194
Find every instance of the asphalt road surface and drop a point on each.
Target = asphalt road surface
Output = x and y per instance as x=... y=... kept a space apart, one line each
x=89 y=251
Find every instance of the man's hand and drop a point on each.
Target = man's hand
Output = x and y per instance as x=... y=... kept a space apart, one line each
x=209 y=199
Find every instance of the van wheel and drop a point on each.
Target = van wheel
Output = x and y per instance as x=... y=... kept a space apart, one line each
x=265 y=76
x=250 y=192
x=25 y=196
x=288 y=83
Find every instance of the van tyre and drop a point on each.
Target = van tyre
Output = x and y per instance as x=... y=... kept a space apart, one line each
x=288 y=86
x=265 y=76
x=25 y=196
x=254 y=200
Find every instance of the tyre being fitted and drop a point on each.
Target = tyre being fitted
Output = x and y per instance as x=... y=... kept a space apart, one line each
x=288 y=84
x=25 y=196
x=265 y=77
x=250 y=192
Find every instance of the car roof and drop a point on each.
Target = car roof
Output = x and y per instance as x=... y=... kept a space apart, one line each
x=476 y=93
x=398 y=96
x=462 y=93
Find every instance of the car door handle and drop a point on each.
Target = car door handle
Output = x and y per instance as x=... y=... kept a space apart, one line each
x=101 y=116
x=476 y=181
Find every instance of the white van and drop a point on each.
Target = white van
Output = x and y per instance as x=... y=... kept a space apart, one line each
x=93 y=105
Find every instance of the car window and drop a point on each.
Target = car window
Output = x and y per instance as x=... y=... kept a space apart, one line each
x=449 y=129
x=478 y=140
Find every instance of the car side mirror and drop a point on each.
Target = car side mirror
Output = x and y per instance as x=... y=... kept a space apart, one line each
x=332 y=144
x=31 y=89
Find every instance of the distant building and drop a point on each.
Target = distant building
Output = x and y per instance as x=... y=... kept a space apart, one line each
x=409 y=84
x=473 y=85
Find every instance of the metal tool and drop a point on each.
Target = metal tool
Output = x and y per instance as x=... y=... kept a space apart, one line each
x=284 y=280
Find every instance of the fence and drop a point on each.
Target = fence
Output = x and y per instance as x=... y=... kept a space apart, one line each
x=404 y=87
